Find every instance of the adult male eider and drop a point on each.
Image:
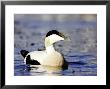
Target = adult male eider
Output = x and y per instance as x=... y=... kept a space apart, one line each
x=49 y=56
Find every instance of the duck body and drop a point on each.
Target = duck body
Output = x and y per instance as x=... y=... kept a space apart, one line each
x=49 y=56
x=46 y=57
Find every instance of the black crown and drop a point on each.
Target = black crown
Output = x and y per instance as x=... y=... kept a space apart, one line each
x=54 y=32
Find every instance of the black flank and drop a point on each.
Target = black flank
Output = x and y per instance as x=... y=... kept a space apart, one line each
x=31 y=61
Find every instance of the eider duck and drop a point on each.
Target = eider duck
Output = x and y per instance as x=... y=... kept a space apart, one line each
x=49 y=56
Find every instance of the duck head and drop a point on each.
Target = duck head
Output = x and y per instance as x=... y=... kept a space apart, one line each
x=52 y=37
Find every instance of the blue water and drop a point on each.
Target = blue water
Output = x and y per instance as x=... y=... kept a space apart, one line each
x=80 y=52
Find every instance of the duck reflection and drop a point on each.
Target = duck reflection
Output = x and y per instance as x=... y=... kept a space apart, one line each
x=44 y=70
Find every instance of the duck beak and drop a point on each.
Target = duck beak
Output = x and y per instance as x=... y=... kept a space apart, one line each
x=67 y=38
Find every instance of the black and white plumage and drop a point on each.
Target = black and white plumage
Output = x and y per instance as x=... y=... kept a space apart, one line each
x=49 y=56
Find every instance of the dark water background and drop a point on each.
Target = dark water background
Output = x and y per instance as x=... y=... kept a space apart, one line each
x=80 y=51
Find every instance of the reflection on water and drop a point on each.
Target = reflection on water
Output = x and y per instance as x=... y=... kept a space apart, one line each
x=80 y=52
x=45 y=70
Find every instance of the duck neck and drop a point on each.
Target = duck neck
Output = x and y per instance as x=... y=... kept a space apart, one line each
x=50 y=49
x=49 y=46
